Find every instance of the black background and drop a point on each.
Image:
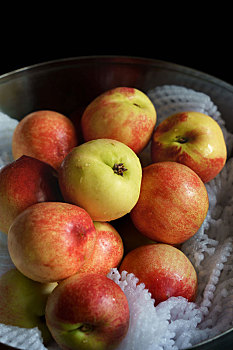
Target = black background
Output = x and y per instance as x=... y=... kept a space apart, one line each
x=194 y=38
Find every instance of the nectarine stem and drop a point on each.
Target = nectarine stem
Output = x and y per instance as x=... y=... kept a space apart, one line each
x=119 y=169
x=181 y=139
x=85 y=328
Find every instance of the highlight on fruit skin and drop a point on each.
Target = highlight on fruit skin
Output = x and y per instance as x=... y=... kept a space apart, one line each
x=172 y=205
x=108 y=250
x=164 y=269
x=50 y=241
x=88 y=311
x=102 y=176
x=46 y=135
x=193 y=139
x=125 y=114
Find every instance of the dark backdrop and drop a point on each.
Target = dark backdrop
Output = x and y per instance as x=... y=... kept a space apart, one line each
x=202 y=42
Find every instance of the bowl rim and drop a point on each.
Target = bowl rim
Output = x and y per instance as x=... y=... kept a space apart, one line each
x=209 y=341
x=125 y=59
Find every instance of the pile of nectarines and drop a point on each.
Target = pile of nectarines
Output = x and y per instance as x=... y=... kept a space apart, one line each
x=74 y=209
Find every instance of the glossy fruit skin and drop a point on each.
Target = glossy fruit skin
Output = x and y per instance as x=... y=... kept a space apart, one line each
x=50 y=241
x=108 y=251
x=46 y=135
x=88 y=311
x=193 y=139
x=172 y=205
x=87 y=178
x=122 y=113
x=24 y=182
x=164 y=270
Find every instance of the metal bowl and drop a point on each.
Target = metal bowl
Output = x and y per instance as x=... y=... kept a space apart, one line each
x=68 y=85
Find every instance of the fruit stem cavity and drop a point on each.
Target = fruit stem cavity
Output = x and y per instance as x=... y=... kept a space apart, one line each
x=85 y=328
x=119 y=169
x=181 y=139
